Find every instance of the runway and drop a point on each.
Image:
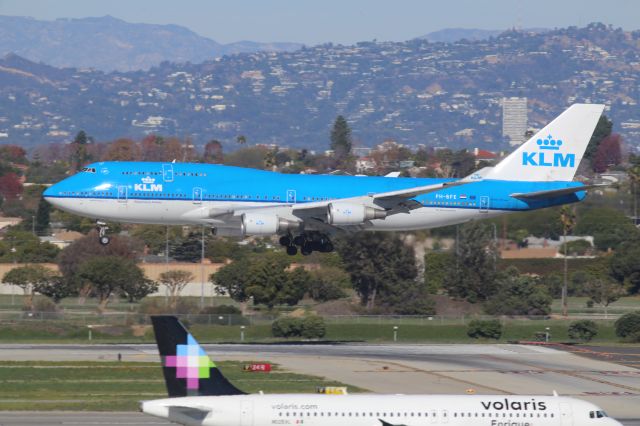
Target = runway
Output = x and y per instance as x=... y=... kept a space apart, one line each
x=426 y=369
x=95 y=419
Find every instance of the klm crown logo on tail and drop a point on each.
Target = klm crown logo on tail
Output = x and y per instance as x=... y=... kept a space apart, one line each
x=548 y=155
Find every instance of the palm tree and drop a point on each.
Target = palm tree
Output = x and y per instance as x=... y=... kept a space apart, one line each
x=568 y=219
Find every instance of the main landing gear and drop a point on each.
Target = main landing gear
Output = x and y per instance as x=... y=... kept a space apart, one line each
x=103 y=238
x=308 y=242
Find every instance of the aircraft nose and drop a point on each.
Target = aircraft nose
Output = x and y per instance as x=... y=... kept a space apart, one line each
x=50 y=194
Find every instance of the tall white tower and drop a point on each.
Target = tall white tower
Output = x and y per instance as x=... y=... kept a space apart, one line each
x=514 y=120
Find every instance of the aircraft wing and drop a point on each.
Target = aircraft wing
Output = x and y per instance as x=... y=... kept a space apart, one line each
x=315 y=213
x=553 y=193
x=196 y=413
x=387 y=200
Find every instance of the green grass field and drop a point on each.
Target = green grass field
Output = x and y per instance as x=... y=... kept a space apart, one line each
x=422 y=331
x=110 y=386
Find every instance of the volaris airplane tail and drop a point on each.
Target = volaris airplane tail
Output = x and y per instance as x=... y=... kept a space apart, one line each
x=555 y=152
x=187 y=369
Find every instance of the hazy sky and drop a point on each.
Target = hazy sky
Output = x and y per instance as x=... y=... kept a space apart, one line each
x=338 y=21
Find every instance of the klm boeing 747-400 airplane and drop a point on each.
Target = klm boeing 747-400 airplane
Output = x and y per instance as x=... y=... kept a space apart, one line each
x=306 y=210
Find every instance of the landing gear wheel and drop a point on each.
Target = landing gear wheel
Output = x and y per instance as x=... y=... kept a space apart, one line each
x=292 y=250
x=327 y=247
x=306 y=250
x=102 y=233
x=299 y=240
x=285 y=240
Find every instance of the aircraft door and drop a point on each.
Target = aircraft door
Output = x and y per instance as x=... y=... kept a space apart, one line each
x=167 y=172
x=122 y=194
x=197 y=195
x=246 y=413
x=291 y=196
x=565 y=414
x=484 y=204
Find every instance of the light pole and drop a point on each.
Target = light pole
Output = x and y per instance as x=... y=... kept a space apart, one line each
x=202 y=270
x=13 y=254
x=242 y=333
x=395 y=333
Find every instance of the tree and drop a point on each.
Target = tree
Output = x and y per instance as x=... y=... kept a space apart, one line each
x=10 y=186
x=310 y=327
x=175 y=281
x=272 y=284
x=583 y=330
x=436 y=267
x=519 y=295
x=213 y=152
x=138 y=288
x=79 y=151
x=233 y=279
x=188 y=249
x=486 y=329
x=241 y=140
x=108 y=274
x=155 y=236
x=27 y=248
x=328 y=283
x=341 y=142
x=609 y=227
x=28 y=278
x=88 y=247
x=602 y=130
x=55 y=288
x=608 y=153
x=568 y=220
x=603 y=292
x=43 y=217
x=265 y=278
x=123 y=149
x=472 y=277
x=462 y=164
x=625 y=267
x=628 y=326
x=376 y=262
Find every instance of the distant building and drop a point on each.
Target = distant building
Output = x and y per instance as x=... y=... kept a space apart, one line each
x=514 y=120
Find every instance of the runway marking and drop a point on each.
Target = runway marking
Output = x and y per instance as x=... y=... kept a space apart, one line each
x=575 y=374
x=444 y=376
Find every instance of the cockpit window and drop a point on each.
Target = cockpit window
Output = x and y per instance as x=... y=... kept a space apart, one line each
x=597 y=414
x=89 y=169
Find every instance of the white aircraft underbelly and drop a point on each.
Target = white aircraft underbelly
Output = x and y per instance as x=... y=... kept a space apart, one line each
x=186 y=212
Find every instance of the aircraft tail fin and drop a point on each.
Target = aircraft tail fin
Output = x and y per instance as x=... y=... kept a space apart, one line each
x=187 y=369
x=555 y=152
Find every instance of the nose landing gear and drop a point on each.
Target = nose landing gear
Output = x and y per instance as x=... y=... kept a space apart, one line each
x=103 y=238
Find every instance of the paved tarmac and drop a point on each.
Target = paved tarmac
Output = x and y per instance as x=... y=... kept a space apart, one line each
x=114 y=419
x=426 y=369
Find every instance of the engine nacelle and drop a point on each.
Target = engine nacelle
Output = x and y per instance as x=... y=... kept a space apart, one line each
x=265 y=224
x=352 y=214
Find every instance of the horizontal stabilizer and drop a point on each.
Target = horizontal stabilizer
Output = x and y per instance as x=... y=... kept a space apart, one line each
x=553 y=193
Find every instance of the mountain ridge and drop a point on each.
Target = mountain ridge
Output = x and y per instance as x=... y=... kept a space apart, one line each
x=111 y=44
x=413 y=92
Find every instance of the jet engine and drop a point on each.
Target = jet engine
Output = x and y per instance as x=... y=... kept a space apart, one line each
x=352 y=214
x=265 y=224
